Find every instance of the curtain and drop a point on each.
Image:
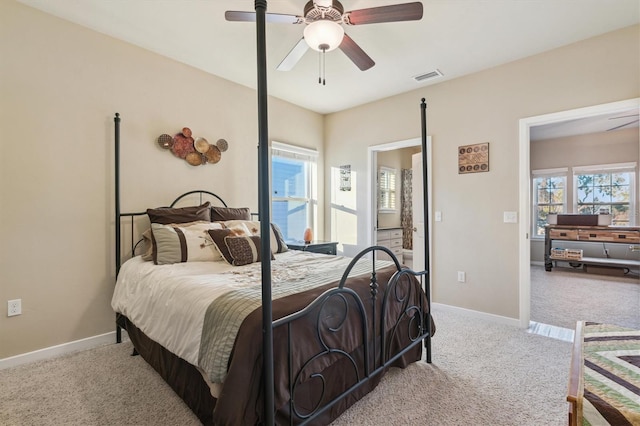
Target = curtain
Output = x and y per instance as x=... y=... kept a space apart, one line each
x=406 y=210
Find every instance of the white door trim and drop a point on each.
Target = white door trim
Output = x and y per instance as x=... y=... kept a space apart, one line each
x=524 y=185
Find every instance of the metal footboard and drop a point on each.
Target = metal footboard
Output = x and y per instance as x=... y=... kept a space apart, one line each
x=394 y=316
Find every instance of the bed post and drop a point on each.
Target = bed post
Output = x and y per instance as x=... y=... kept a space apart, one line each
x=425 y=195
x=116 y=120
x=264 y=212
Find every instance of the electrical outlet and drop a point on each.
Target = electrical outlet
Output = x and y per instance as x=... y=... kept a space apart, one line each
x=14 y=307
x=462 y=277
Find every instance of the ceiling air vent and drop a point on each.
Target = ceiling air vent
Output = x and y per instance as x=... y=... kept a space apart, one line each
x=428 y=76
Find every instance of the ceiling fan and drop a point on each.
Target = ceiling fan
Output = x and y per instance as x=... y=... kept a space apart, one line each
x=323 y=32
x=629 y=123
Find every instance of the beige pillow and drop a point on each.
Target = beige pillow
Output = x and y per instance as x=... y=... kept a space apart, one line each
x=179 y=243
x=276 y=242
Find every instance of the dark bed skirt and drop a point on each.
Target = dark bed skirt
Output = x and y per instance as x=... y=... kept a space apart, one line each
x=183 y=377
x=188 y=383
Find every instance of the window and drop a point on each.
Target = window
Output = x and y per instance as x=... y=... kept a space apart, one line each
x=293 y=189
x=386 y=190
x=606 y=189
x=549 y=196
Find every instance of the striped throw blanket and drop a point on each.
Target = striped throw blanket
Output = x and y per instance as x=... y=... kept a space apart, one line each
x=226 y=313
x=611 y=375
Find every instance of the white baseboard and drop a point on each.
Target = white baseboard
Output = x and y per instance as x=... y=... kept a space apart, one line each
x=536 y=263
x=477 y=314
x=65 y=348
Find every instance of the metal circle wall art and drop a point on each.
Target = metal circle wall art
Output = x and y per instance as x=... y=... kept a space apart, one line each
x=473 y=158
x=195 y=152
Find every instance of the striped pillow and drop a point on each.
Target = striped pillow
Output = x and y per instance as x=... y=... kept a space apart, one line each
x=177 y=243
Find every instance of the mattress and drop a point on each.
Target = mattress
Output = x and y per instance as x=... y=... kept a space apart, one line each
x=169 y=303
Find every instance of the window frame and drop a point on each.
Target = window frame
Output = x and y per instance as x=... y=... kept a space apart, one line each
x=630 y=168
x=545 y=173
x=309 y=156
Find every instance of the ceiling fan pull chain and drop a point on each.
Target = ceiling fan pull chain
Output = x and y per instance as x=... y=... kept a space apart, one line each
x=319 y=67
x=323 y=59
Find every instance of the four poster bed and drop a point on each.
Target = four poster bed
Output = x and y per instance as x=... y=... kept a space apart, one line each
x=338 y=323
x=248 y=332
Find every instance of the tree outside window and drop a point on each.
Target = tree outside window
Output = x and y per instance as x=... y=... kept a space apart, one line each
x=605 y=193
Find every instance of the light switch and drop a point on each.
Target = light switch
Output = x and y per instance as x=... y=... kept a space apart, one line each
x=438 y=216
x=510 y=217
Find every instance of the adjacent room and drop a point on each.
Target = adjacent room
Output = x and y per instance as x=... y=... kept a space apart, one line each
x=490 y=148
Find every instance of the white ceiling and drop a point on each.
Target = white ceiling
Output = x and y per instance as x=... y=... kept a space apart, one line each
x=457 y=37
x=582 y=126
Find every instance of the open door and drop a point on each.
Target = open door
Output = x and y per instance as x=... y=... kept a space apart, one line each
x=418 y=213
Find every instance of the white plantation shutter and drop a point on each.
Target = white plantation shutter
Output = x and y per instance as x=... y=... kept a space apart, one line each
x=386 y=189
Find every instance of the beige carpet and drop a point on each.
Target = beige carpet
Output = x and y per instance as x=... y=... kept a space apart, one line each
x=564 y=296
x=482 y=374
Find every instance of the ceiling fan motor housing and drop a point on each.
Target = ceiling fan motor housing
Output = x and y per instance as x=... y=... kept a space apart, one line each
x=314 y=12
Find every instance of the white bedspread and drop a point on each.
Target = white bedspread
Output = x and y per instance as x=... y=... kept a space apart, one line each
x=168 y=302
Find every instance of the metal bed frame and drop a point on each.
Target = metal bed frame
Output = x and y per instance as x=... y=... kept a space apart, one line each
x=419 y=320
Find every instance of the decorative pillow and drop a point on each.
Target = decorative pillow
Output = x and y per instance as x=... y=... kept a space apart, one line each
x=281 y=245
x=277 y=240
x=168 y=215
x=147 y=246
x=220 y=214
x=178 y=243
x=244 y=250
x=218 y=236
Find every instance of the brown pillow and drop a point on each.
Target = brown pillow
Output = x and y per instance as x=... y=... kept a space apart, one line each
x=169 y=215
x=219 y=214
x=244 y=250
x=218 y=236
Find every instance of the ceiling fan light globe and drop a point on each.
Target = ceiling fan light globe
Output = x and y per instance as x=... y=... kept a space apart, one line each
x=322 y=33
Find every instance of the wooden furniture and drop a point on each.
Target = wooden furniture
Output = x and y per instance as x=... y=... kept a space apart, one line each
x=390 y=238
x=323 y=247
x=594 y=234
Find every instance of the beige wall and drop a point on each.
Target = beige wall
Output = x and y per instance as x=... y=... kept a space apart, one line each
x=483 y=107
x=620 y=146
x=60 y=85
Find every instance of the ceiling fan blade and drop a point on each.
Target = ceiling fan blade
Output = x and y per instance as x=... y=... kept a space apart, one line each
x=392 y=13
x=294 y=56
x=623 y=125
x=274 y=18
x=356 y=54
x=623 y=116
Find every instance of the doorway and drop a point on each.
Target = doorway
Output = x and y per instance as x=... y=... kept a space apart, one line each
x=372 y=160
x=525 y=212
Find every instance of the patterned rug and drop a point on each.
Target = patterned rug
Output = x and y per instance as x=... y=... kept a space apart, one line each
x=611 y=375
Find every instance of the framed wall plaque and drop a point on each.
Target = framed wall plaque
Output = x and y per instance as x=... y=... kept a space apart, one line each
x=345 y=178
x=473 y=158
